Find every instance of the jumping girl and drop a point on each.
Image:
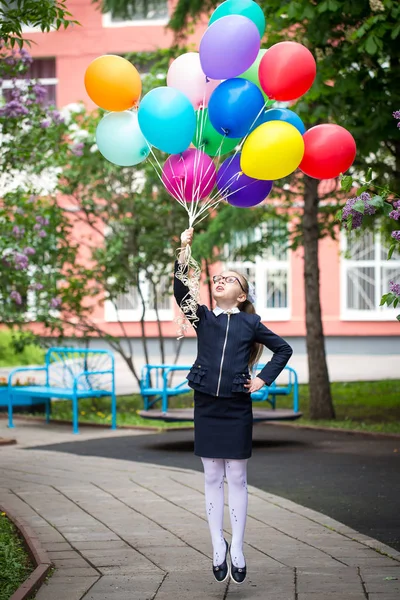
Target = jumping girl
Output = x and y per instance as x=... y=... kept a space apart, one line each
x=230 y=341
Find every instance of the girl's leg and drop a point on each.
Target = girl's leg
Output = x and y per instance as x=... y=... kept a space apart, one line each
x=236 y=475
x=214 y=470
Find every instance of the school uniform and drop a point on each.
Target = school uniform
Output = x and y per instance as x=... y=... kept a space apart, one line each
x=223 y=418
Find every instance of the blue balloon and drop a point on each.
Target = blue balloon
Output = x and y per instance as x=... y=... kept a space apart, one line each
x=281 y=114
x=233 y=107
x=120 y=140
x=167 y=119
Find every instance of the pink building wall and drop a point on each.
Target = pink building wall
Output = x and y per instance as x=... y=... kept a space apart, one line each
x=73 y=50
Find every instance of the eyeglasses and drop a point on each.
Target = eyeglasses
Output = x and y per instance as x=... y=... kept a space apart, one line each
x=229 y=279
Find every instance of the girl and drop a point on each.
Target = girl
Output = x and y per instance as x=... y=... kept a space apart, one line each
x=230 y=340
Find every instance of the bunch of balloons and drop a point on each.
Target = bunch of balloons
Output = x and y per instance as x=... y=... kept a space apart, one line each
x=219 y=101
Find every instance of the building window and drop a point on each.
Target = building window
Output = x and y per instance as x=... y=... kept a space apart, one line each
x=144 y=12
x=365 y=277
x=128 y=307
x=270 y=271
x=44 y=71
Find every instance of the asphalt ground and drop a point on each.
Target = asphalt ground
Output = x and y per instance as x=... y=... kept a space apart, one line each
x=354 y=479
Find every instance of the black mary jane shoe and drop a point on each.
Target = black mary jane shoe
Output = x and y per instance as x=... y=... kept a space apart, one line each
x=221 y=572
x=238 y=574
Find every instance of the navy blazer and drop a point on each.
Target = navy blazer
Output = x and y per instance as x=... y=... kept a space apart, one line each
x=223 y=349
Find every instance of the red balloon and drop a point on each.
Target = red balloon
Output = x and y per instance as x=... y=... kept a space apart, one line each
x=287 y=71
x=329 y=151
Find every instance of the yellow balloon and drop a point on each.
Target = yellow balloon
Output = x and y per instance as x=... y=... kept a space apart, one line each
x=272 y=151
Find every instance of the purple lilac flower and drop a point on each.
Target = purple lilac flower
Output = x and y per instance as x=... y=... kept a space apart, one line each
x=396 y=114
x=45 y=123
x=21 y=261
x=394 y=288
x=56 y=116
x=395 y=214
x=10 y=60
x=29 y=251
x=77 y=148
x=42 y=233
x=357 y=216
x=396 y=235
x=12 y=109
x=55 y=302
x=31 y=199
x=36 y=286
x=18 y=232
x=39 y=91
x=16 y=296
x=16 y=93
x=26 y=58
x=42 y=220
x=37 y=227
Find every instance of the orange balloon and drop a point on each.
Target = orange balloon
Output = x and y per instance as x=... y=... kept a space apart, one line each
x=113 y=83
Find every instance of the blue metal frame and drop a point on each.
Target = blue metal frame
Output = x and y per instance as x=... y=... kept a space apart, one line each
x=75 y=392
x=160 y=390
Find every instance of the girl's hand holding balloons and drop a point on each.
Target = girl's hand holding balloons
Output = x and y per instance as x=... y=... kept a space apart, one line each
x=187 y=237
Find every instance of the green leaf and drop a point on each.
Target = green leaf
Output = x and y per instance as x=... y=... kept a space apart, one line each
x=346 y=183
x=368 y=176
x=371 y=45
x=398 y=317
x=387 y=208
x=391 y=250
x=376 y=201
x=383 y=299
x=339 y=216
x=395 y=303
x=359 y=206
x=390 y=299
x=395 y=32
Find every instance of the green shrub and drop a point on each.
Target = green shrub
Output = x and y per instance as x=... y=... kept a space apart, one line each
x=14 y=353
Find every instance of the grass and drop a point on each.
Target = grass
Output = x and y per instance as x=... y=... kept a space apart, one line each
x=362 y=406
x=15 y=564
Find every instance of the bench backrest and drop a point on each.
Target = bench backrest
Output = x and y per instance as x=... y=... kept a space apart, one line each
x=64 y=364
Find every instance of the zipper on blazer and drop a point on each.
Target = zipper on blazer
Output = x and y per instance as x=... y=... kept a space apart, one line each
x=223 y=355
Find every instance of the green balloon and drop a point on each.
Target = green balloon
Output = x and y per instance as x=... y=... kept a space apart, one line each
x=246 y=8
x=208 y=140
x=252 y=72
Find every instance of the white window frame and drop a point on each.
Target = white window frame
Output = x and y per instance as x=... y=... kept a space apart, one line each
x=381 y=313
x=107 y=21
x=261 y=267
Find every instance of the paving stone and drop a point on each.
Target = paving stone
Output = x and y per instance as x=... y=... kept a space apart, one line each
x=177 y=558
x=70 y=563
x=63 y=554
x=65 y=572
x=98 y=545
x=57 y=590
x=118 y=557
x=374 y=575
x=196 y=587
x=56 y=546
x=126 y=587
x=333 y=596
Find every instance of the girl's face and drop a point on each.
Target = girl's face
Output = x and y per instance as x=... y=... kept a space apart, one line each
x=228 y=287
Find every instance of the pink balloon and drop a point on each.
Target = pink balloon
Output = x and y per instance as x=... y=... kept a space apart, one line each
x=189 y=176
x=185 y=74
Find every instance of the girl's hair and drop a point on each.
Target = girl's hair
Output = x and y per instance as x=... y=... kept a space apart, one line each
x=248 y=307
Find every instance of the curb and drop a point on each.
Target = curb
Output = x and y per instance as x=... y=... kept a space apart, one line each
x=374 y=434
x=99 y=425
x=7 y=441
x=37 y=553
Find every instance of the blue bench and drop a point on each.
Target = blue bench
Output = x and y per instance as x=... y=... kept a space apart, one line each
x=155 y=386
x=70 y=374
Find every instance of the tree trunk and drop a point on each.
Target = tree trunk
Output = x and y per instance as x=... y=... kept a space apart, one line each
x=321 y=405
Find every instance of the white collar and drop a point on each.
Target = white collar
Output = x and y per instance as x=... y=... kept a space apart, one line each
x=219 y=311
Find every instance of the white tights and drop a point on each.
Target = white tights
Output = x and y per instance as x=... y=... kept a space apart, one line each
x=235 y=471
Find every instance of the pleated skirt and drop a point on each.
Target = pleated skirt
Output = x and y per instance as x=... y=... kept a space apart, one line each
x=223 y=427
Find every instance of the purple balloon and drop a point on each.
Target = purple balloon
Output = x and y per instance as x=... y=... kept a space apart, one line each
x=239 y=189
x=229 y=47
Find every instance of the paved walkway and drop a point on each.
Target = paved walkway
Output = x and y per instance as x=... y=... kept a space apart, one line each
x=122 y=530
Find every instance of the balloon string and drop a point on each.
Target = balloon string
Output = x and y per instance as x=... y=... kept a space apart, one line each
x=189 y=274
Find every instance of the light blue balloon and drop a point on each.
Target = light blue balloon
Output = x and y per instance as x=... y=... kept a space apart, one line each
x=120 y=139
x=167 y=119
x=281 y=114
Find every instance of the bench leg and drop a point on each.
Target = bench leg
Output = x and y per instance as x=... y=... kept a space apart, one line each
x=48 y=410
x=10 y=412
x=75 y=428
x=113 y=411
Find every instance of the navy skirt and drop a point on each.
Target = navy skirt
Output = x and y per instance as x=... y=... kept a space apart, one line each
x=223 y=427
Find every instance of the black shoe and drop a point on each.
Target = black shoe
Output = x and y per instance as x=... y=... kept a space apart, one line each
x=238 y=574
x=221 y=572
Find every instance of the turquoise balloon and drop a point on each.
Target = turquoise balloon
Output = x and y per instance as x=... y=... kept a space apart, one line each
x=167 y=119
x=280 y=114
x=120 y=140
x=246 y=8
